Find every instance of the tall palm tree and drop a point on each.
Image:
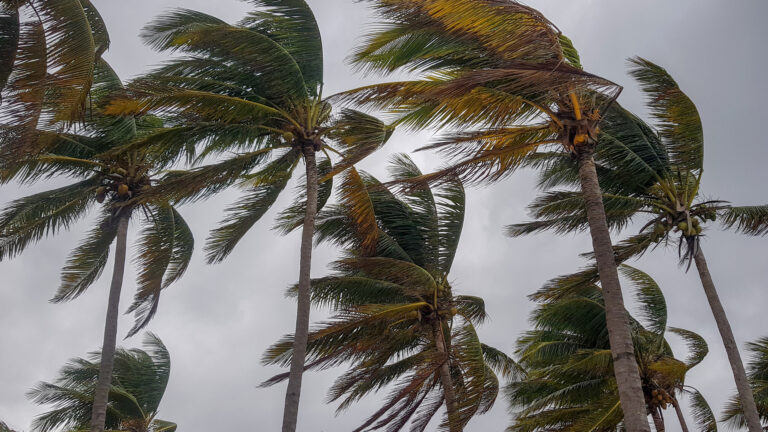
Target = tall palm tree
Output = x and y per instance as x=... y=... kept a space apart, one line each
x=254 y=89
x=569 y=382
x=397 y=320
x=511 y=83
x=137 y=387
x=655 y=177
x=49 y=50
x=758 y=380
x=121 y=183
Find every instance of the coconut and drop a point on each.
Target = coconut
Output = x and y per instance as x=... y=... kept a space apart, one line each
x=123 y=190
x=683 y=226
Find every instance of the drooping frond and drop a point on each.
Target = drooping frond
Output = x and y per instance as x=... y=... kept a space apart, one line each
x=701 y=412
x=87 y=261
x=163 y=255
x=697 y=346
x=650 y=297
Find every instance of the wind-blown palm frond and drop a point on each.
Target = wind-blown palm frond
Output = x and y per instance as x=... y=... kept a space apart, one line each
x=752 y=220
x=757 y=373
x=139 y=381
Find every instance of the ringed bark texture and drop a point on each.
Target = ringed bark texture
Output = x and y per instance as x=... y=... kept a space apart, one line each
x=623 y=353
x=301 y=335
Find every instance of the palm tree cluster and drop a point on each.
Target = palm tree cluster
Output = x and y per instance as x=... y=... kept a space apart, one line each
x=242 y=105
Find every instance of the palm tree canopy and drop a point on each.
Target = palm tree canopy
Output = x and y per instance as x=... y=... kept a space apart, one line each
x=392 y=299
x=569 y=382
x=757 y=372
x=102 y=176
x=253 y=89
x=139 y=381
x=498 y=71
x=643 y=170
x=49 y=50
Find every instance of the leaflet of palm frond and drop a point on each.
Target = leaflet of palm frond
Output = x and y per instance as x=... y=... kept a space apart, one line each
x=71 y=55
x=504 y=30
x=702 y=413
x=86 y=263
x=353 y=194
x=292 y=218
x=24 y=93
x=649 y=296
x=564 y=286
x=27 y=220
x=751 y=220
x=564 y=212
x=410 y=276
x=163 y=255
x=677 y=118
x=9 y=42
x=250 y=209
x=199 y=34
x=293 y=26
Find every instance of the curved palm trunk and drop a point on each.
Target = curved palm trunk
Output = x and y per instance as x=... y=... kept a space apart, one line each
x=622 y=350
x=658 y=420
x=301 y=335
x=101 y=396
x=683 y=424
x=740 y=376
x=451 y=404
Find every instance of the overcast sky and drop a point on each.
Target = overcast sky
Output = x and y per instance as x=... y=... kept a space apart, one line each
x=219 y=319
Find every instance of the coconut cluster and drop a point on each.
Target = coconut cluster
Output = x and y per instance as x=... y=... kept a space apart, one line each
x=659 y=398
x=120 y=184
x=688 y=223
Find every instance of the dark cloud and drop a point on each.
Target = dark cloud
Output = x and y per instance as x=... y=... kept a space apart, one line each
x=218 y=320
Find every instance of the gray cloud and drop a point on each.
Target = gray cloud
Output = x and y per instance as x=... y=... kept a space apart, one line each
x=218 y=320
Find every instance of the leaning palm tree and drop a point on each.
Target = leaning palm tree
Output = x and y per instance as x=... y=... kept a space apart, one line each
x=511 y=83
x=757 y=372
x=654 y=176
x=49 y=50
x=137 y=387
x=118 y=184
x=569 y=383
x=397 y=320
x=253 y=89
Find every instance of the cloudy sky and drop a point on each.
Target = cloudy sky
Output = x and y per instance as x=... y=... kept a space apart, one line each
x=219 y=319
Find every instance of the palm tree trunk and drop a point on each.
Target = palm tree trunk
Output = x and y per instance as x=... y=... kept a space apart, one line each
x=740 y=376
x=301 y=335
x=451 y=405
x=101 y=396
x=622 y=350
x=658 y=420
x=683 y=424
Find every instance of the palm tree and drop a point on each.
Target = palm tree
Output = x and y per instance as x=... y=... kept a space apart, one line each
x=120 y=182
x=254 y=89
x=137 y=387
x=49 y=50
x=397 y=320
x=654 y=175
x=758 y=379
x=570 y=385
x=511 y=83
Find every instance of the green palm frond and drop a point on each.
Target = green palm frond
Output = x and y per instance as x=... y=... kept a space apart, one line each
x=27 y=220
x=701 y=412
x=86 y=263
x=676 y=115
x=358 y=135
x=650 y=297
x=751 y=220
x=697 y=346
x=293 y=26
x=163 y=255
x=451 y=204
x=9 y=42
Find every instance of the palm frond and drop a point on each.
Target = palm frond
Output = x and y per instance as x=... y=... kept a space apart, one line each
x=701 y=412
x=163 y=255
x=9 y=42
x=86 y=263
x=697 y=346
x=650 y=297
x=750 y=220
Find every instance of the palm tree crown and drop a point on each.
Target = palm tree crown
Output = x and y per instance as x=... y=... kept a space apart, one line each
x=569 y=382
x=139 y=381
x=397 y=318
